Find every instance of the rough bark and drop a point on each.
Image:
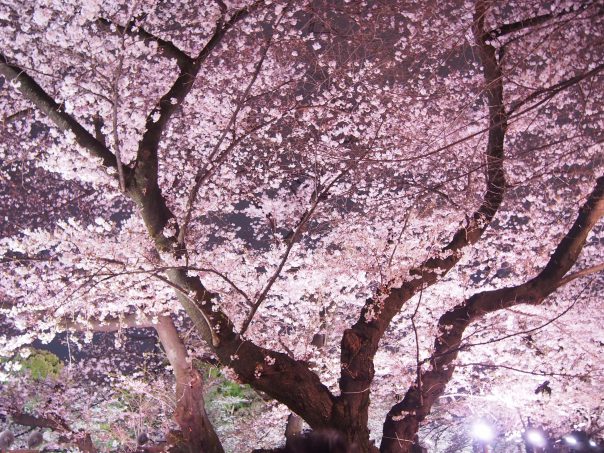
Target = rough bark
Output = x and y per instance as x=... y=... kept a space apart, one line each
x=404 y=418
x=197 y=431
x=360 y=342
x=286 y=380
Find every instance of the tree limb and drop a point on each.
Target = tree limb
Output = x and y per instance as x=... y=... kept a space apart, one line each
x=519 y=370
x=582 y=273
x=159 y=117
x=131 y=29
x=537 y=20
x=52 y=421
x=552 y=90
x=55 y=423
x=360 y=343
x=145 y=190
x=36 y=94
x=404 y=417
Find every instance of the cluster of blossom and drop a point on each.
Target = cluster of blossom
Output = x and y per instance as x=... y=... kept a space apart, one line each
x=378 y=129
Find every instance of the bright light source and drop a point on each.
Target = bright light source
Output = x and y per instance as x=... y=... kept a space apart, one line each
x=593 y=443
x=570 y=440
x=483 y=432
x=535 y=438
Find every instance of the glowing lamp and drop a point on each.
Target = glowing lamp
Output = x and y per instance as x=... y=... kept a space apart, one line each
x=592 y=443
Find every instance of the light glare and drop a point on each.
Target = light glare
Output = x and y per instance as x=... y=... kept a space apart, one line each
x=592 y=443
x=483 y=432
x=535 y=438
x=570 y=440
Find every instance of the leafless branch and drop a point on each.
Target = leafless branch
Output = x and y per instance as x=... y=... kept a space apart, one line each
x=518 y=370
x=133 y=29
x=204 y=172
x=36 y=94
x=538 y=20
x=553 y=90
x=582 y=273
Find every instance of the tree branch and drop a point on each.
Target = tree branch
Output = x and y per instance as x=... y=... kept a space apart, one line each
x=537 y=20
x=404 y=417
x=582 y=273
x=360 y=343
x=551 y=91
x=318 y=195
x=290 y=243
x=518 y=370
x=145 y=191
x=52 y=421
x=36 y=94
x=155 y=270
x=157 y=120
x=56 y=423
x=131 y=29
x=466 y=346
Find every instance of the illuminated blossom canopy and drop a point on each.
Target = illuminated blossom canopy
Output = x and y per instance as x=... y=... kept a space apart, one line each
x=383 y=216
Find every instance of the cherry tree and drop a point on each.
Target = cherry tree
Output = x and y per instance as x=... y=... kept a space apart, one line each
x=350 y=202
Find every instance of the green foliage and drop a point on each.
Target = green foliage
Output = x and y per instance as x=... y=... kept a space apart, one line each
x=232 y=389
x=211 y=372
x=127 y=400
x=42 y=364
x=223 y=397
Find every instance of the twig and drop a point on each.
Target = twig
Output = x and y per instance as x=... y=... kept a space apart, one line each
x=535 y=373
x=204 y=172
x=114 y=110
x=317 y=196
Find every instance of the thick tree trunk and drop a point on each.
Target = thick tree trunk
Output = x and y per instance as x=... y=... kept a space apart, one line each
x=350 y=417
x=198 y=435
x=396 y=435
